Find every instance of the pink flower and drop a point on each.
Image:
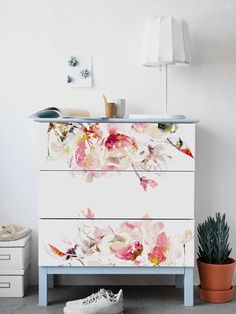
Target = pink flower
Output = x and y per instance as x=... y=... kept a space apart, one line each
x=139 y=127
x=109 y=167
x=95 y=130
x=157 y=255
x=145 y=183
x=162 y=240
x=89 y=214
x=98 y=234
x=153 y=229
x=112 y=128
x=131 y=230
x=80 y=154
x=128 y=252
x=90 y=175
x=128 y=225
x=117 y=141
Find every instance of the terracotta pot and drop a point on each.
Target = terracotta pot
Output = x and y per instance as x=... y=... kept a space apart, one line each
x=216 y=296
x=216 y=281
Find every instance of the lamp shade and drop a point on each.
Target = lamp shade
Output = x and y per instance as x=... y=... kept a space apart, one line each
x=166 y=42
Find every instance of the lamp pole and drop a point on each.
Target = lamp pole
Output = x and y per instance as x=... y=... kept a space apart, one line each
x=165 y=89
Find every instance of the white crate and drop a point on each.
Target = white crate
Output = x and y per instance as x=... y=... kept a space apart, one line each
x=14 y=285
x=14 y=267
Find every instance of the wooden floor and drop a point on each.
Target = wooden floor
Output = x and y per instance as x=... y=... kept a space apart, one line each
x=137 y=300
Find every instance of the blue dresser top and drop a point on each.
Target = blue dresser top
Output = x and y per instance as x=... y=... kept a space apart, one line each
x=115 y=120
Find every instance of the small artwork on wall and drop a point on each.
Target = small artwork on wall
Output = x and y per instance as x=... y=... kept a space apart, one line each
x=79 y=70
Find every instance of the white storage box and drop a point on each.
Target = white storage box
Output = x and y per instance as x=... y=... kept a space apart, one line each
x=14 y=285
x=14 y=267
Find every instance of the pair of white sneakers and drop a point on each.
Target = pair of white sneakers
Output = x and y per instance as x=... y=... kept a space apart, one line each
x=101 y=302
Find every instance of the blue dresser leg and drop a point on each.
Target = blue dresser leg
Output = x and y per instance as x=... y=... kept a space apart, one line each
x=188 y=286
x=43 y=286
x=179 y=281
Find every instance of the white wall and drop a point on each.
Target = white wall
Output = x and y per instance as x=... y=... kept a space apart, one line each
x=37 y=36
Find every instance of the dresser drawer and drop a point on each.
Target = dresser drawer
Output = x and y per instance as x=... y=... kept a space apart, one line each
x=65 y=194
x=14 y=258
x=116 y=243
x=123 y=146
x=14 y=286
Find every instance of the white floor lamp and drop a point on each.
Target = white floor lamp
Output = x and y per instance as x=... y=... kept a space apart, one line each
x=166 y=43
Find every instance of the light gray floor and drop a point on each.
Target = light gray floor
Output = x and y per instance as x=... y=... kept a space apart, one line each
x=137 y=300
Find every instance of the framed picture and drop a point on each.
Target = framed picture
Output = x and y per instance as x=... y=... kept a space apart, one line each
x=79 y=70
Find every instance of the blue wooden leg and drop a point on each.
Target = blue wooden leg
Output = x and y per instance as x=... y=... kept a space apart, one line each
x=179 y=281
x=43 y=286
x=188 y=286
x=50 y=281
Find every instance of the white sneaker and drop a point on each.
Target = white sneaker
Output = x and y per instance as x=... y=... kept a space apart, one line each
x=102 y=302
x=106 y=293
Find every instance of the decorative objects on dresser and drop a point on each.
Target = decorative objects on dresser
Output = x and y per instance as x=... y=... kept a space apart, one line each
x=14 y=267
x=117 y=198
x=215 y=267
x=114 y=109
x=120 y=107
x=166 y=43
x=56 y=112
x=110 y=108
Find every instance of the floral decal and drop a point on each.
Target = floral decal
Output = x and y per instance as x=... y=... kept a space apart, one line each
x=117 y=147
x=158 y=253
x=131 y=243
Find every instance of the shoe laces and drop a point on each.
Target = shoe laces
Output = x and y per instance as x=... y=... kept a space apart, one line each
x=95 y=297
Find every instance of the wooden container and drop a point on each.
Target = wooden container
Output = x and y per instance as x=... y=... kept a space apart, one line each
x=110 y=109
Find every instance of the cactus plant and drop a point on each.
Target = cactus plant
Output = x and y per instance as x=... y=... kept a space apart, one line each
x=73 y=61
x=84 y=73
x=213 y=237
x=69 y=79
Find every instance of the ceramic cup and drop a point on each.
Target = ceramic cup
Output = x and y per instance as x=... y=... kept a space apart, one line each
x=120 y=108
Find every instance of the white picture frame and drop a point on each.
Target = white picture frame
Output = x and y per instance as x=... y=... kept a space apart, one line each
x=75 y=76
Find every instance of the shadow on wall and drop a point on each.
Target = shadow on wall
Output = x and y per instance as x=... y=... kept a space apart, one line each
x=204 y=170
x=213 y=194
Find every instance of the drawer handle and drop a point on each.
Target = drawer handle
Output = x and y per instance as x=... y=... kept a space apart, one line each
x=5 y=257
x=5 y=285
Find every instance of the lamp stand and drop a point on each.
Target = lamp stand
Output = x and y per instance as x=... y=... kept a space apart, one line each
x=166 y=115
x=165 y=88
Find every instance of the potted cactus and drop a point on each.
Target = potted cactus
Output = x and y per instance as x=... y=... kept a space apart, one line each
x=215 y=266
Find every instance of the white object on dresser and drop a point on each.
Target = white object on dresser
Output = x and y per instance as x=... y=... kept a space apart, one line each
x=117 y=198
x=120 y=107
x=14 y=267
x=166 y=43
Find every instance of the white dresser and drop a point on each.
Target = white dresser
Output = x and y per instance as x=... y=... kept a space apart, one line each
x=116 y=197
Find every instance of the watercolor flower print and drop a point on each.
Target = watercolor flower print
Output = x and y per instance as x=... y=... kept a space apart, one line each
x=96 y=148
